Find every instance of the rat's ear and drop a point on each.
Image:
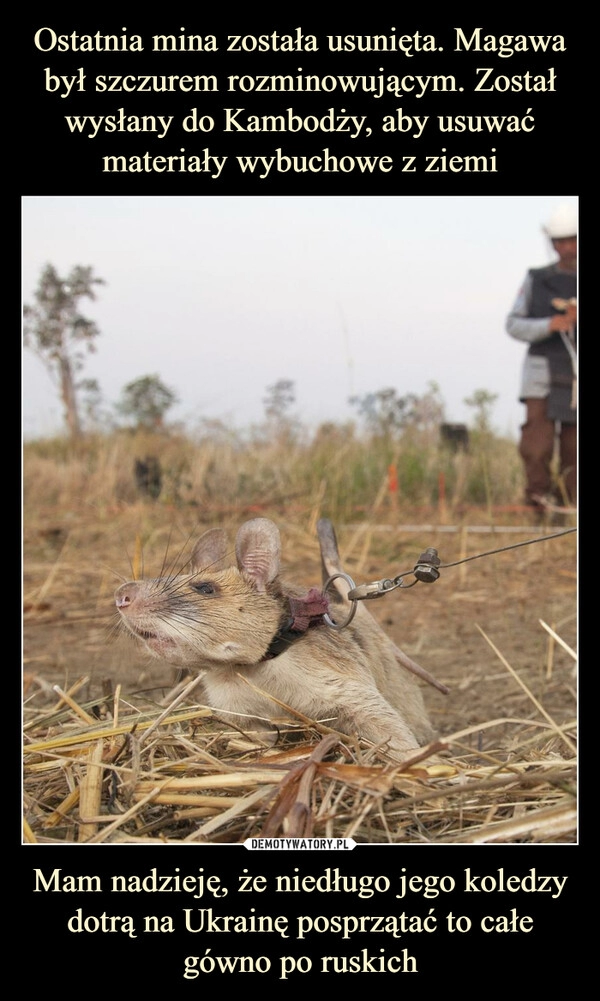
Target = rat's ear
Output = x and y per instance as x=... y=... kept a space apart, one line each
x=209 y=551
x=258 y=551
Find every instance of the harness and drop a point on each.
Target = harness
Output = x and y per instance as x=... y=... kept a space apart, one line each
x=304 y=614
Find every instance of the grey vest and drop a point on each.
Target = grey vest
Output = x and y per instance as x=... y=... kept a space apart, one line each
x=547 y=284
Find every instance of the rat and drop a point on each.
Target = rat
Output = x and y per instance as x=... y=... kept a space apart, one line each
x=262 y=646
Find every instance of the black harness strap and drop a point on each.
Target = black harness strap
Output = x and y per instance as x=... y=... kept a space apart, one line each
x=304 y=614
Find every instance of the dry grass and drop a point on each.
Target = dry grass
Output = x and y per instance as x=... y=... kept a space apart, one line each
x=109 y=771
x=104 y=764
x=227 y=473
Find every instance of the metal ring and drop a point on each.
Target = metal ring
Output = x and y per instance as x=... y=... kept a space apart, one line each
x=352 y=612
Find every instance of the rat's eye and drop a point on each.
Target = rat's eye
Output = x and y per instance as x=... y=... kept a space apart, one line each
x=204 y=587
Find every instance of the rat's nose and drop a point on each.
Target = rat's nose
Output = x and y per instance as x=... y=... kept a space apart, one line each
x=126 y=594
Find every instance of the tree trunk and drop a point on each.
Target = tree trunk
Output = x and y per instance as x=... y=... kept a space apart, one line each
x=67 y=392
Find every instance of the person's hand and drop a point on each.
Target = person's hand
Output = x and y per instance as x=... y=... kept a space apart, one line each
x=564 y=321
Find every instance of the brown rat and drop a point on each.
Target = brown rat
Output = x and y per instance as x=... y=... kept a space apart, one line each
x=239 y=624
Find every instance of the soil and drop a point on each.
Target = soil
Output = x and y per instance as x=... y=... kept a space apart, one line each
x=479 y=629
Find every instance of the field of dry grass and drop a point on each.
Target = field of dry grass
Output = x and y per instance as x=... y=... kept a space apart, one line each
x=105 y=760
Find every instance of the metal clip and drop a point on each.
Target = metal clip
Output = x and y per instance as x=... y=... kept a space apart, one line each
x=373 y=590
x=425 y=570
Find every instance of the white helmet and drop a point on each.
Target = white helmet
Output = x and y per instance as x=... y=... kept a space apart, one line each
x=562 y=222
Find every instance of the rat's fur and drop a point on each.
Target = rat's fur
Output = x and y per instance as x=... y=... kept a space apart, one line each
x=221 y=622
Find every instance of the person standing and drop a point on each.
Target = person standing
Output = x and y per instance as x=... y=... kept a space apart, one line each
x=545 y=317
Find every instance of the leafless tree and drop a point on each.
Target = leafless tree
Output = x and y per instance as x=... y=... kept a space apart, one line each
x=59 y=334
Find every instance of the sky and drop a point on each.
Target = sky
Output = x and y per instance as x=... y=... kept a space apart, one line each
x=223 y=296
